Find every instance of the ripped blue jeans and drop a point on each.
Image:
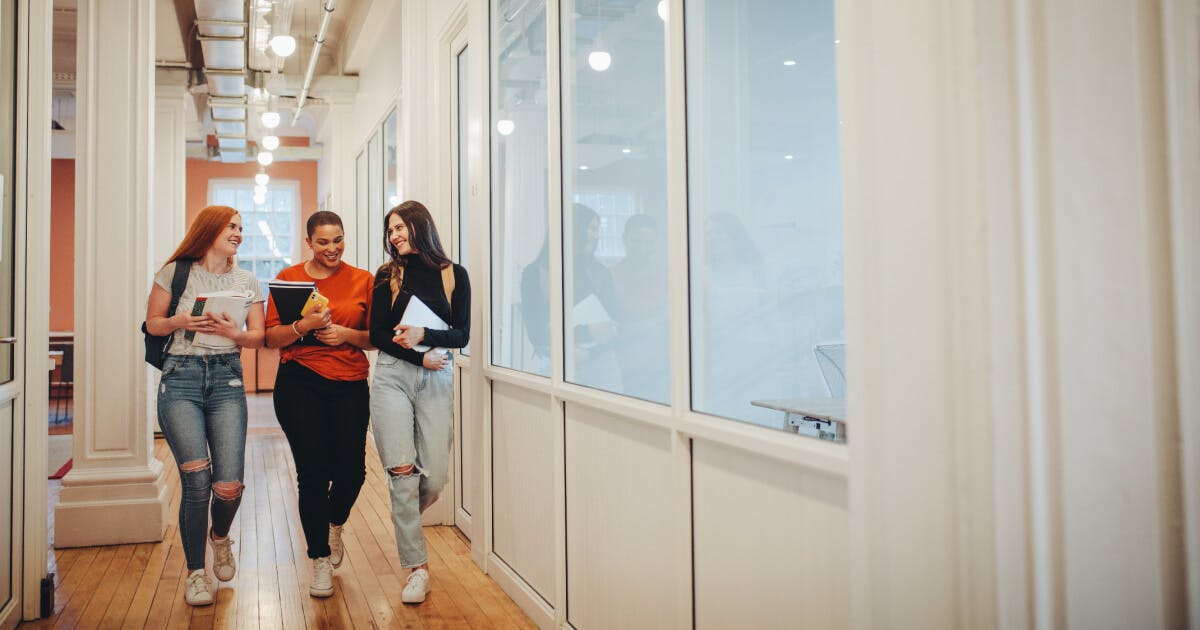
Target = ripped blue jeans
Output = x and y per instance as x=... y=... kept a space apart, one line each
x=202 y=412
x=412 y=417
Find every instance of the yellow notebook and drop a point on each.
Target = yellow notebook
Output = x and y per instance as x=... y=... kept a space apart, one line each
x=315 y=301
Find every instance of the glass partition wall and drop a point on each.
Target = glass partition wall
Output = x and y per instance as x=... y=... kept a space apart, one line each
x=520 y=195
x=764 y=206
x=763 y=201
x=614 y=191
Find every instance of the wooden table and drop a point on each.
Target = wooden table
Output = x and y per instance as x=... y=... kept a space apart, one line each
x=823 y=418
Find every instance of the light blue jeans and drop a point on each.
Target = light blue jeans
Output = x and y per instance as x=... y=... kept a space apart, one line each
x=412 y=417
x=202 y=412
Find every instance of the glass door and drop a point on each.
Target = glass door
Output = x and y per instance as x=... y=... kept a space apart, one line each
x=9 y=387
x=467 y=454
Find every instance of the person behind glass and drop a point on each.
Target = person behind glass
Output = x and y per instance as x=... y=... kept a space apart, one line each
x=321 y=394
x=201 y=398
x=594 y=298
x=412 y=394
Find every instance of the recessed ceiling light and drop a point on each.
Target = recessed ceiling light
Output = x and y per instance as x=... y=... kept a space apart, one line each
x=599 y=60
x=583 y=167
x=270 y=143
x=265 y=158
x=788 y=156
x=262 y=179
x=283 y=45
x=505 y=127
x=790 y=62
x=270 y=120
x=626 y=150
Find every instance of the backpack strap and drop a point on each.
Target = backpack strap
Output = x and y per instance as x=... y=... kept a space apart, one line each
x=448 y=284
x=183 y=267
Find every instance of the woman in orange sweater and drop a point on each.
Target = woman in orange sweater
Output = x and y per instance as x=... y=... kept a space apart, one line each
x=321 y=393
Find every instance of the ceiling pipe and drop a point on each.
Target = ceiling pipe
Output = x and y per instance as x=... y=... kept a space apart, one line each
x=318 y=41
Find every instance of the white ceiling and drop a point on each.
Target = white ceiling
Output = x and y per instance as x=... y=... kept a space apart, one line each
x=175 y=19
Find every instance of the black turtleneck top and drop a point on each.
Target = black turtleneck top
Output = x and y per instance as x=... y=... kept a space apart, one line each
x=426 y=283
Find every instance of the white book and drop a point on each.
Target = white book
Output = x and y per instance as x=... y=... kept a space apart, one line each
x=235 y=304
x=590 y=311
x=417 y=313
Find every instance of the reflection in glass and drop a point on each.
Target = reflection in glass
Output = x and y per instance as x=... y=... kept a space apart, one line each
x=520 y=213
x=391 y=162
x=615 y=197
x=765 y=204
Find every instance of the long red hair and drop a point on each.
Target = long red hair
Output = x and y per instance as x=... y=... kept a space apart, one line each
x=203 y=233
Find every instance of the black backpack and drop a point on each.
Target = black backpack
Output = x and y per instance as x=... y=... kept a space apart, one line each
x=156 y=347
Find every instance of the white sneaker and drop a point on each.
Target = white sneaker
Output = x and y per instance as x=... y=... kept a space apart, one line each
x=416 y=588
x=336 y=550
x=223 y=565
x=199 y=589
x=322 y=578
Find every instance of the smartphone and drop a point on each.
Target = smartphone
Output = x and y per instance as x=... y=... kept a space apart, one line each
x=315 y=301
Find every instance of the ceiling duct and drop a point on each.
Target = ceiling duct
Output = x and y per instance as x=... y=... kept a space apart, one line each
x=318 y=42
x=221 y=28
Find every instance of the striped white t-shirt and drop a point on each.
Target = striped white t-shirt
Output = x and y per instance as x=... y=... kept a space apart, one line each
x=202 y=281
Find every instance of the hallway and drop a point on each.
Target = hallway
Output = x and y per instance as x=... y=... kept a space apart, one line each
x=141 y=585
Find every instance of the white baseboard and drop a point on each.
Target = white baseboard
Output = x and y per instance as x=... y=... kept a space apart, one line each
x=521 y=592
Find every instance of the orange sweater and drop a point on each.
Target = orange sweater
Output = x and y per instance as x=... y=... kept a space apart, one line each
x=349 y=293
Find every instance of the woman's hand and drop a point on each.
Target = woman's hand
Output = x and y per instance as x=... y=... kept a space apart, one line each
x=409 y=336
x=222 y=325
x=195 y=323
x=315 y=320
x=436 y=359
x=333 y=335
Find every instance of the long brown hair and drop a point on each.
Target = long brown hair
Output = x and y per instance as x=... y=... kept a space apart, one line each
x=203 y=233
x=422 y=236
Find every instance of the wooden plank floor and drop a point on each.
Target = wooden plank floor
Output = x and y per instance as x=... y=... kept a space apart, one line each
x=141 y=585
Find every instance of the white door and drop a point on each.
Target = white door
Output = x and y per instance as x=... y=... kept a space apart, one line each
x=468 y=430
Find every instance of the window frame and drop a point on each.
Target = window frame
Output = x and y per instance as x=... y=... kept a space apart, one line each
x=297 y=211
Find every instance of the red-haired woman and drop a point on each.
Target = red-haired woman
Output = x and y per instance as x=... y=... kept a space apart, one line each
x=201 y=398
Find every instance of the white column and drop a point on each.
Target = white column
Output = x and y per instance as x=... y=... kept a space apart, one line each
x=167 y=219
x=338 y=169
x=1015 y=396
x=115 y=493
x=416 y=109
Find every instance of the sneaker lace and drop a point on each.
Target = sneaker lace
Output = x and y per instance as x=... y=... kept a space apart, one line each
x=335 y=539
x=197 y=583
x=323 y=566
x=223 y=551
x=418 y=579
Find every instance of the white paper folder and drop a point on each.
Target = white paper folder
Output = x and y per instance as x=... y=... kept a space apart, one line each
x=417 y=313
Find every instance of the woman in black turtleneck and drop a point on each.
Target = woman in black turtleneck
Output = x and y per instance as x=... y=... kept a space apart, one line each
x=412 y=395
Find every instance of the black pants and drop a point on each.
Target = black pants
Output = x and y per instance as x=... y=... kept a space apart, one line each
x=326 y=426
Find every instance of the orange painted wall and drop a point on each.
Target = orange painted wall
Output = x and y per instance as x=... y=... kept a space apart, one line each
x=199 y=172
x=62 y=245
